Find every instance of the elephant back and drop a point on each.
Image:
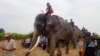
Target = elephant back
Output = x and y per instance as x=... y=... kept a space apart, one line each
x=55 y=20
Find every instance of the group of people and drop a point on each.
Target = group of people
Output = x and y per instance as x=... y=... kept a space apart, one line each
x=87 y=46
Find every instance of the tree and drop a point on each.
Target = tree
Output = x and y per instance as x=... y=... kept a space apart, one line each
x=1 y=35
x=2 y=30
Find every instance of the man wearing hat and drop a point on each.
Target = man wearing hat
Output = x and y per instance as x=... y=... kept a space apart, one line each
x=9 y=45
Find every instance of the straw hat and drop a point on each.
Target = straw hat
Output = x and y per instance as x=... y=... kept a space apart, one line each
x=7 y=34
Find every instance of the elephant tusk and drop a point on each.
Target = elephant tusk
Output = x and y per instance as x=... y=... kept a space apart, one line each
x=37 y=42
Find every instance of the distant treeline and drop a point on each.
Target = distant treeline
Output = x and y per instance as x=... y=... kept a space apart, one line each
x=17 y=35
x=98 y=37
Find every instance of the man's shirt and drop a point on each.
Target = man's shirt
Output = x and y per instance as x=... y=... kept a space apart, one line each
x=10 y=45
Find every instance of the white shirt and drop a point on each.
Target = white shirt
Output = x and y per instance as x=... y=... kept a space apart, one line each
x=9 y=45
x=80 y=44
x=28 y=40
x=92 y=44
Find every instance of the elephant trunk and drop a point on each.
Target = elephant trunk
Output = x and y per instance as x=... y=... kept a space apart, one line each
x=34 y=43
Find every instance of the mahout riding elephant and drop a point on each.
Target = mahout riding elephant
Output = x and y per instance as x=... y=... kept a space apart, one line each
x=55 y=29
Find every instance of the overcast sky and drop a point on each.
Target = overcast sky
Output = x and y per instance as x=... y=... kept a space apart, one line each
x=18 y=15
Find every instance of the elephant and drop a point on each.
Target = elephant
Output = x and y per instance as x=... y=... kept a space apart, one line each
x=55 y=29
x=76 y=33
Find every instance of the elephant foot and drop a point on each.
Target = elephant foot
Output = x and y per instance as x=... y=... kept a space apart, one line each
x=66 y=52
x=59 y=54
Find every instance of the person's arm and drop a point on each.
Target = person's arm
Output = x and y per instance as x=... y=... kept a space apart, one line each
x=2 y=47
x=7 y=49
x=11 y=49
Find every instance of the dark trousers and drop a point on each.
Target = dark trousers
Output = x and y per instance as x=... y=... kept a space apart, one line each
x=80 y=53
x=27 y=45
x=90 y=51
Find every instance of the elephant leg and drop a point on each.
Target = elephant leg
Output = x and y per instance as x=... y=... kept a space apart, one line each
x=52 y=47
x=74 y=40
x=48 y=46
x=67 y=48
x=74 y=43
x=59 y=49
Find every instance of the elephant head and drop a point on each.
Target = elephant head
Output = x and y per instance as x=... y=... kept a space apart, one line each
x=39 y=27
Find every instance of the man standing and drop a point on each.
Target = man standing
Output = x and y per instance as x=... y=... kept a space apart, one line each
x=28 y=42
x=90 y=47
x=9 y=46
x=81 y=45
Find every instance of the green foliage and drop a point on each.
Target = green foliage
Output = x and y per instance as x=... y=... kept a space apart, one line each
x=98 y=37
x=30 y=34
x=21 y=36
x=18 y=36
x=2 y=30
x=1 y=35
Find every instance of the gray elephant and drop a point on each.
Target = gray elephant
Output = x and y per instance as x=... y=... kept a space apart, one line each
x=76 y=33
x=55 y=29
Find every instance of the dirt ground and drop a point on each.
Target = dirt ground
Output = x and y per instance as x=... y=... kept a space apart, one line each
x=20 y=51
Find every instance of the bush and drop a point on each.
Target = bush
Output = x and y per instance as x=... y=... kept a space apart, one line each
x=17 y=35
x=98 y=37
x=1 y=35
